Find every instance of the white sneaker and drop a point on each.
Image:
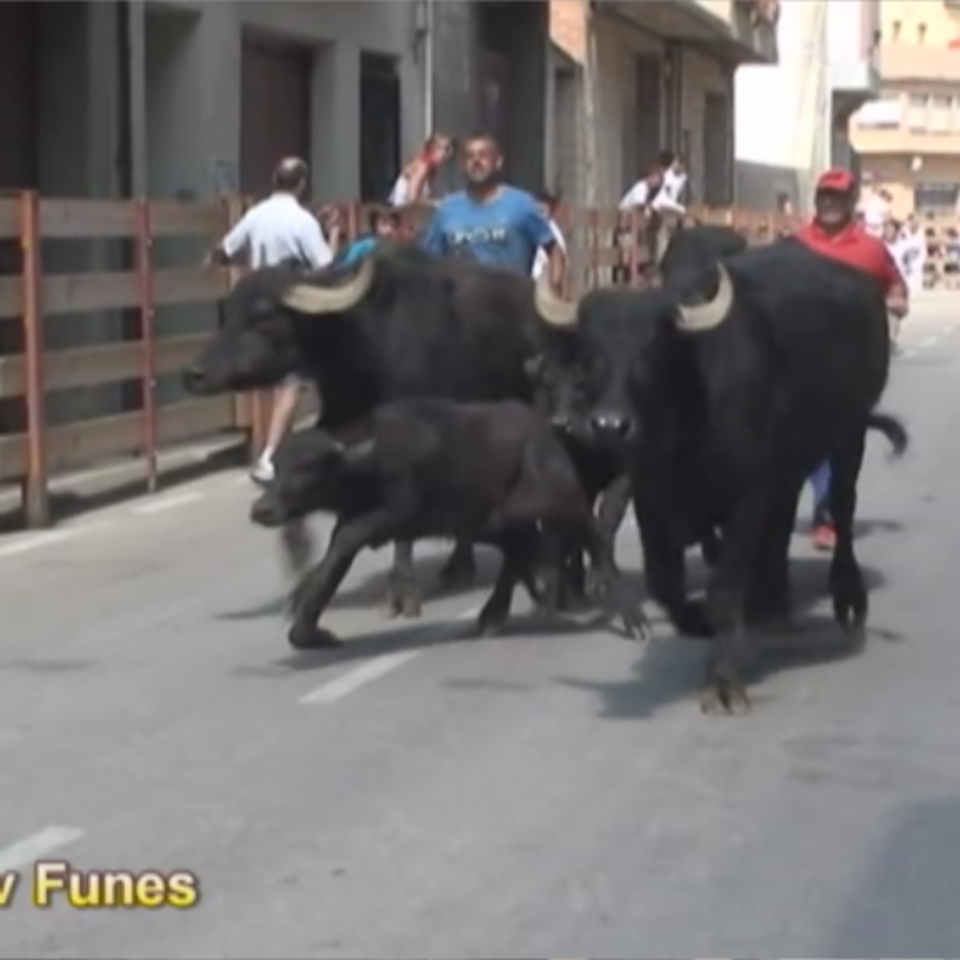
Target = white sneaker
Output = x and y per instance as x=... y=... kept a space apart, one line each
x=263 y=473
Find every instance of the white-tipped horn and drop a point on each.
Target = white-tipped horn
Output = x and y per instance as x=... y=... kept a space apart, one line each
x=556 y=312
x=307 y=298
x=709 y=315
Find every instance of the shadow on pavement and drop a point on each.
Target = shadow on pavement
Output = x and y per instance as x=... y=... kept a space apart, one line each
x=908 y=906
x=422 y=636
x=369 y=593
x=668 y=670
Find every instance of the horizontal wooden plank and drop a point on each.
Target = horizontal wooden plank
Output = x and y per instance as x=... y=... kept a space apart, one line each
x=77 y=292
x=13 y=381
x=194 y=418
x=13 y=457
x=9 y=218
x=189 y=286
x=91 y=441
x=11 y=297
x=66 y=219
x=172 y=218
x=87 y=442
x=597 y=219
x=91 y=366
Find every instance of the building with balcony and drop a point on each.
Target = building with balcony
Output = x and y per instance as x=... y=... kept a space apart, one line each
x=909 y=140
x=793 y=118
x=628 y=79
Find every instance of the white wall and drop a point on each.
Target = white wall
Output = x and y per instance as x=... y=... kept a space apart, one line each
x=782 y=111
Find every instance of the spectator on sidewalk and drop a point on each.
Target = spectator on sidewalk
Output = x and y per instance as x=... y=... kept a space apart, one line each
x=548 y=203
x=383 y=225
x=279 y=230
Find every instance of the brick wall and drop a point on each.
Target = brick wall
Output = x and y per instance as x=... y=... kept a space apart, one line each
x=568 y=27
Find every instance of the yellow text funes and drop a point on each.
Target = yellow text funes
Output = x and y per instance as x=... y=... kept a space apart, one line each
x=110 y=889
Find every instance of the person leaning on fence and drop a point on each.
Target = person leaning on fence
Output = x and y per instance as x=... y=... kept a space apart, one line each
x=640 y=197
x=415 y=183
x=383 y=224
x=278 y=230
x=548 y=203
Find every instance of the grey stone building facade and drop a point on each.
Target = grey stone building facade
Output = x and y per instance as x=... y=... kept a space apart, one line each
x=192 y=99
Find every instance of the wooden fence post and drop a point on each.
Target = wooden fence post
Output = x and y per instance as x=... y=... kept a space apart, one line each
x=36 y=498
x=148 y=340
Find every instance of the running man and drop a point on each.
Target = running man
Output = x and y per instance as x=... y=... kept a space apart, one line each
x=834 y=233
x=279 y=230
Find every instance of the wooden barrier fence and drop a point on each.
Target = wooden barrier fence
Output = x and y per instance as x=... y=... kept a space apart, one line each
x=599 y=242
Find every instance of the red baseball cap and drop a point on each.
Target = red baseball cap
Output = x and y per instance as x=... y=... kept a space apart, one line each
x=842 y=181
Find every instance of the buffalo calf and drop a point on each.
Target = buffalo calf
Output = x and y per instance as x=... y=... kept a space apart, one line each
x=488 y=472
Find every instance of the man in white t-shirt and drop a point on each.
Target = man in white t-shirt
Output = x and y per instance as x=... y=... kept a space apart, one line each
x=548 y=203
x=277 y=230
x=670 y=197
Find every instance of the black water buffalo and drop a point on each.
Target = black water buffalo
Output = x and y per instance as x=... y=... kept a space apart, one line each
x=610 y=316
x=726 y=394
x=490 y=473
x=402 y=323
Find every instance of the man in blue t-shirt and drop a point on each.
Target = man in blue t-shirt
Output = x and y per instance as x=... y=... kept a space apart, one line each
x=496 y=224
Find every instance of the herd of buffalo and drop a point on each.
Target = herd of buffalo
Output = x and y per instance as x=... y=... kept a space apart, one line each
x=472 y=403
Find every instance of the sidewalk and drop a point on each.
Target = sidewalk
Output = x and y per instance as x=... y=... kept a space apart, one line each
x=74 y=493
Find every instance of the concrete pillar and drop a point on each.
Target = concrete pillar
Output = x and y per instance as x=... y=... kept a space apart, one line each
x=412 y=108
x=137 y=97
x=527 y=48
x=79 y=156
x=335 y=122
x=216 y=63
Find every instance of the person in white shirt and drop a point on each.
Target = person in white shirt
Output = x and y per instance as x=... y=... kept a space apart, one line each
x=876 y=212
x=277 y=230
x=899 y=247
x=916 y=243
x=669 y=199
x=548 y=203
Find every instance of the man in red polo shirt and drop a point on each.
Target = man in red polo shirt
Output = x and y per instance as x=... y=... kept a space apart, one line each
x=833 y=232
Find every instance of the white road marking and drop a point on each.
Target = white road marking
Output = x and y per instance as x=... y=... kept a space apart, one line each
x=168 y=503
x=378 y=667
x=352 y=680
x=37 y=846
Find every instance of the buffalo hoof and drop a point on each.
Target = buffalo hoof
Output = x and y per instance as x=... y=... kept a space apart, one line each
x=691 y=620
x=490 y=626
x=399 y=604
x=597 y=586
x=312 y=638
x=850 y=604
x=459 y=573
x=724 y=695
x=636 y=625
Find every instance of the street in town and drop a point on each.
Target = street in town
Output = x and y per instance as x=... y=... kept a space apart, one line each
x=552 y=793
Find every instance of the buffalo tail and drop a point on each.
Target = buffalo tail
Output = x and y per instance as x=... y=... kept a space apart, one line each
x=892 y=429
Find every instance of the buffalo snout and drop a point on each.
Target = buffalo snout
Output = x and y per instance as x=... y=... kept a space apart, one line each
x=266 y=511
x=614 y=424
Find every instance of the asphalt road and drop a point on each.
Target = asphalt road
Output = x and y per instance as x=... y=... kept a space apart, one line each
x=554 y=793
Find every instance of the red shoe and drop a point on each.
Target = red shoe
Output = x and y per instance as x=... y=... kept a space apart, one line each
x=824 y=537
